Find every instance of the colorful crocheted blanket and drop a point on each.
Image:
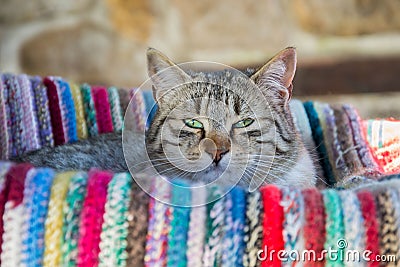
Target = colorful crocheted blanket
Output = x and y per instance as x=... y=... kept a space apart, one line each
x=37 y=112
x=102 y=218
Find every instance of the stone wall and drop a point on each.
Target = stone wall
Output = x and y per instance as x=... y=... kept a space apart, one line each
x=104 y=41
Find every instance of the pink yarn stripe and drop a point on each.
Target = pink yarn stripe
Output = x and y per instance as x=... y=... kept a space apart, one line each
x=103 y=109
x=138 y=108
x=92 y=218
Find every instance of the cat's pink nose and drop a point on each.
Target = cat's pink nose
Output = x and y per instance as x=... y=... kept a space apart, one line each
x=215 y=150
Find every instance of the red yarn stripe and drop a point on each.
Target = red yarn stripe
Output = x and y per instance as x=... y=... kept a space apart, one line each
x=92 y=218
x=55 y=111
x=314 y=228
x=103 y=109
x=368 y=209
x=272 y=226
x=13 y=191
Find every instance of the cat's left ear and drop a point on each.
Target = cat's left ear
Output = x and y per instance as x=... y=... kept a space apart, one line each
x=277 y=75
x=164 y=74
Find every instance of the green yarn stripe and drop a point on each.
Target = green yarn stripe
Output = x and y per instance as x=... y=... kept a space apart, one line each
x=72 y=210
x=116 y=113
x=335 y=232
x=115 y=226
x=90 y=111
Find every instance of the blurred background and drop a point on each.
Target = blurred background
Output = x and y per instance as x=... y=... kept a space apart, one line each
x=348 y=50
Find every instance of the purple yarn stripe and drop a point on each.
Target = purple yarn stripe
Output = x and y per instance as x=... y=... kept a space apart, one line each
x=362 y=147
x=15 y=121
x=42 y=111
x=4 y=135
x=29 y=114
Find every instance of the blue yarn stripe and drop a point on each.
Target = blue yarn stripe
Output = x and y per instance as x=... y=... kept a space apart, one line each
x=318 y=137
x=178 y=235
x=38 y=205
x=68 y=102
x=151 y=106
x=239 y=219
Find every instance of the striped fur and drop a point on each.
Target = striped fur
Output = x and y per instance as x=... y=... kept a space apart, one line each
x=269 y=150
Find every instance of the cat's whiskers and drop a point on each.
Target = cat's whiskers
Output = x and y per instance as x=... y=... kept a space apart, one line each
x=281 y=157
x=271 y=164
x=163 y=161
x=246 y=174
x=259 y=169
x=158 y=159
x=258 y=172
x=182 y=168
x=181 y=175
x=152 y=166
x=270 y=170
x=161 y=172
x=276 y=165
x=272 y=157
x=274 y=169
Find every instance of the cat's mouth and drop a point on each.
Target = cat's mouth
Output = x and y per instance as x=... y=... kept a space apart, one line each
x=214 y=171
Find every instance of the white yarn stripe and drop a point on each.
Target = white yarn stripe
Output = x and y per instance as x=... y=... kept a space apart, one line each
x=12 y=236
x=117 y=113
x=353 y=225
x=293 y=206
x=253 y=229
x=197 y=229
x=213 y=248
x=4 y=166
x=28 y=194
x=228 y=259
x=14 y=217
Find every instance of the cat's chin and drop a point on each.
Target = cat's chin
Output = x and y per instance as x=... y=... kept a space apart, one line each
x=213 y=174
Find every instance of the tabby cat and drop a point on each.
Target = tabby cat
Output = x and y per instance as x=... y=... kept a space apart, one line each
x=227 y=124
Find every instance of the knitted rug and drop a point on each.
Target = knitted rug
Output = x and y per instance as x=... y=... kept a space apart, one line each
x=103 y=218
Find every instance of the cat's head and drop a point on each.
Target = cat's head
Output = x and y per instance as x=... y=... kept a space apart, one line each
x=224 y=123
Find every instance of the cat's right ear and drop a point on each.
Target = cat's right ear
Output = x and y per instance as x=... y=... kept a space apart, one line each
x=164 y=74
x=275 y=78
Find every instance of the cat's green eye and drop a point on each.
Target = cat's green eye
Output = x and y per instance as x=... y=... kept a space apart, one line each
x=192 y=123
x=243 y=123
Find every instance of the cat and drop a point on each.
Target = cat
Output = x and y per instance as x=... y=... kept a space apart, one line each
x=227 y=124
